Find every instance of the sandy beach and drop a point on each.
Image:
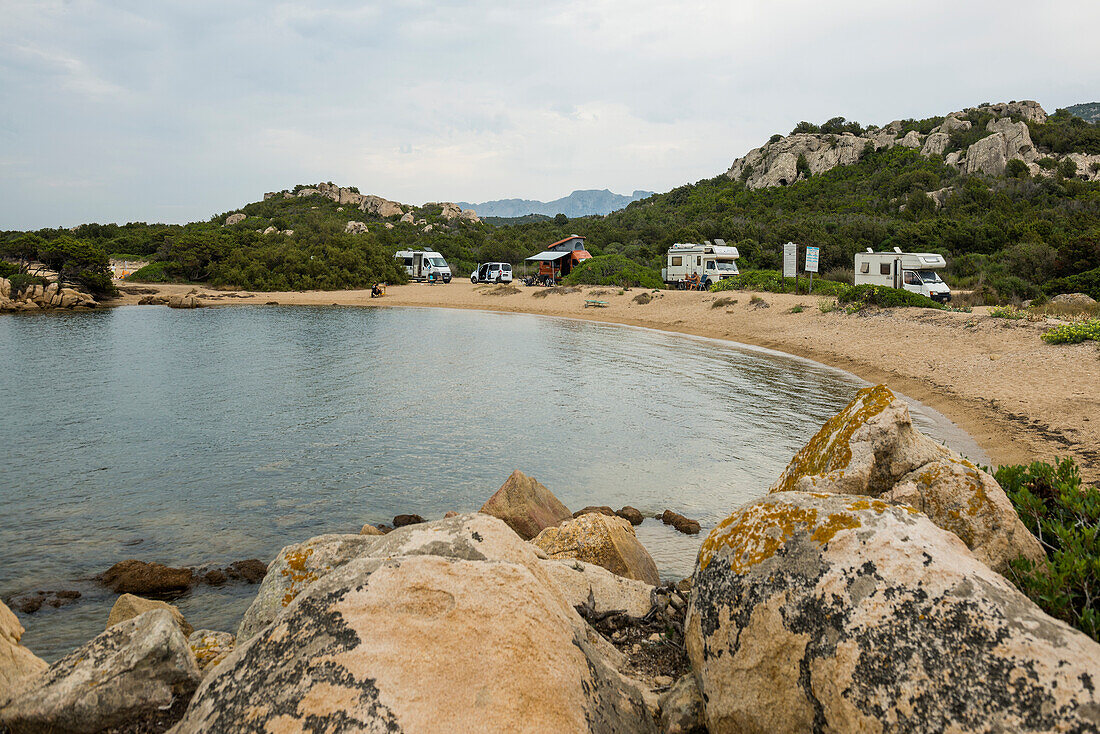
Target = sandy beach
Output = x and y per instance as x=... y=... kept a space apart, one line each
x=1020 y=398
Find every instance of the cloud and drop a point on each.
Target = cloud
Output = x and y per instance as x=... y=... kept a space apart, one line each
x=186 y=108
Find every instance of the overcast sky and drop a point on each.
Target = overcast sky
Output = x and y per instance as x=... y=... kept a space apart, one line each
x=174 y=111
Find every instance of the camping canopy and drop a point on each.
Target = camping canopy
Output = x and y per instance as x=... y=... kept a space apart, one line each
x=547 y=256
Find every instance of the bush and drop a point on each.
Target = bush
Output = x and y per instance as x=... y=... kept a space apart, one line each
x=772 y=281
x=859 y=296
x=1087 y=282
x=1064 y=515
x=164 y=271
x=8 y=269
x=613 y=270
x=1073 y=333
x=20 y=282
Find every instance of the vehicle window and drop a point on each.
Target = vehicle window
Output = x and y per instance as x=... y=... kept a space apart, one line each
x=698 y=261
x=865 y=267
x=911 y=278
x=884 y=268
x=506 y=267
x=710 y=265
x=677 y=260
x=928 y=276
x=438 y=262
x=408 y=262
x=726 y=265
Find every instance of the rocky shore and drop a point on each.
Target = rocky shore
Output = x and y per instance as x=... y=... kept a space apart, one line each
x=862 y=593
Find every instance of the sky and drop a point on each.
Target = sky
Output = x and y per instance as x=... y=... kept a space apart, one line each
x=171 y=111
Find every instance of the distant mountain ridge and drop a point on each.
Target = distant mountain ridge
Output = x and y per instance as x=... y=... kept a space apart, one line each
x=1088 y=111
x=580 y=203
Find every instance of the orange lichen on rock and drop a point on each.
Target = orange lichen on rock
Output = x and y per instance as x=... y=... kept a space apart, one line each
x=299 y=577
x=829 y=449
x=755 y=534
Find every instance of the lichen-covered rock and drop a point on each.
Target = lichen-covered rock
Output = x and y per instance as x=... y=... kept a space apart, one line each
x=131 y=670
x=526 y=505
x=911 y=139
x=380 y=207
x=353 y=227
x=935 y=144
x=18 y=665
x=605 y=541
x=960 y=497
x=872 y=448
x=184 y=301
x=420 y=644
x=682 y=708
x=295 y=568
x=776 y=164
x=236 y=218
x=864 y=449
x=815 y=612
x=585 y=584
x=210 y=647
x=129 y=606
x=139 y=577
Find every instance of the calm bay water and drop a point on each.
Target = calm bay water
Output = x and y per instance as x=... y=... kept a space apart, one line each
x=195 y=437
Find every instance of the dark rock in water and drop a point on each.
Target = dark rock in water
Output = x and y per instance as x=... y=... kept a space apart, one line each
x=132 y=671
x=252 y=570
x=631 y=514
x=384 y=528
x=133 y=541
x=31 y=603
x=402 y=520
x=681 y=523
x=601 y=509
x=215 y=578
x=141 y=578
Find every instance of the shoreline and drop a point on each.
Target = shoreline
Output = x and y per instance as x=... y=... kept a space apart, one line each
x=1020 y=399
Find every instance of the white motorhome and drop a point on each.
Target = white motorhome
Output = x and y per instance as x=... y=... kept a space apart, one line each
x=424 y=265
x=706 y=262
x=911 y=271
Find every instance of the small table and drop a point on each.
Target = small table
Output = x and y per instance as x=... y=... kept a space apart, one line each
x=595 y=304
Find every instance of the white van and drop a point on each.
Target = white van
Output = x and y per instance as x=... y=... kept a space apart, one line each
x=492 y=273
x=911 y=271
x=703 y=264
x=424 y=265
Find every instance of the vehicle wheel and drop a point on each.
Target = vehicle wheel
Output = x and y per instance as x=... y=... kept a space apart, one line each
x=706 y=284
x=473 y=279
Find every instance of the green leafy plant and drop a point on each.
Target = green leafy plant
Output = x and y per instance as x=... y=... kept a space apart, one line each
x=797 y=309
x=1064 y=514
x=613 y=270
x=1073 y=333
x=859 y=296
x=1007 y=312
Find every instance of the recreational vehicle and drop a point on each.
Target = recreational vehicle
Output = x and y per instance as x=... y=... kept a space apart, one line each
x=911 y=271
x=691 y=264
x=558 y=260
x=424 y=265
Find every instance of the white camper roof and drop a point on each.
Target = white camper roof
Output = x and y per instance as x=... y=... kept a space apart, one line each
x=720 y=250
x=910 y=260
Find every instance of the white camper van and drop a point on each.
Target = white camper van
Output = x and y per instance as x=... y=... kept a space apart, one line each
x=424 y=265
x=705 y=264
x=911 y=271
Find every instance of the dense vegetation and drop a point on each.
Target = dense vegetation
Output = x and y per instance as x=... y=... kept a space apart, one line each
x=77 y=262
x=1064 y=514
x=772 y=281
x=613 y=270
x=1008 y=238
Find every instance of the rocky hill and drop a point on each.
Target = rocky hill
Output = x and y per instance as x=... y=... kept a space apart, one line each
x=1087 y=111
x=371 y=204
x=977 y=140
x=580 y=203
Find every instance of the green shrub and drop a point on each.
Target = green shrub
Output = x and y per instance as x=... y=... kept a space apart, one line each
x=1064 y=514
x=1007 y=312
x=1073 y=333
x=613 y=270
x=20 y=282
x=859 y=296
x=8 y=269
x=1087 y=282
x=772 y=281
x=164 y=271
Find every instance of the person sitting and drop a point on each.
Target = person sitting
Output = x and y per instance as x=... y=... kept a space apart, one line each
x=377 y=290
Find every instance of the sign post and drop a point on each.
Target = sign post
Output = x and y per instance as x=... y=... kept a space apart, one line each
x=790 y=262
x=811 y=263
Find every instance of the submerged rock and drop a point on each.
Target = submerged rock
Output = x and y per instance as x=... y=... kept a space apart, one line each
x=134 y=669
x=251 y=570
x=601 y=509
x=18 y=665
x=526 y=505
x=138 y=577
x=129 y=606
x=844 y=613
x=872 y=448
x=420 y=644
x=681 y=523
x=401 y=521
x=631 y=514
x=605 y=541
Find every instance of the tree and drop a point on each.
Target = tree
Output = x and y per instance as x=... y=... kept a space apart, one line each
x=1016 y=168
x=78 y=262
x=560 y=219
x=802 y=166
x=23 y=250
x=805 y=127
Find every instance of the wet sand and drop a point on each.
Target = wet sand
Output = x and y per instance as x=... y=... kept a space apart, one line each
x=1020 y=399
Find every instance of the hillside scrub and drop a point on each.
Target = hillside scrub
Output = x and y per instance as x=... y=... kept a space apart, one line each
x=858 y=296
x=1073 y=333
x=613 y=270
x=1064 y=514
